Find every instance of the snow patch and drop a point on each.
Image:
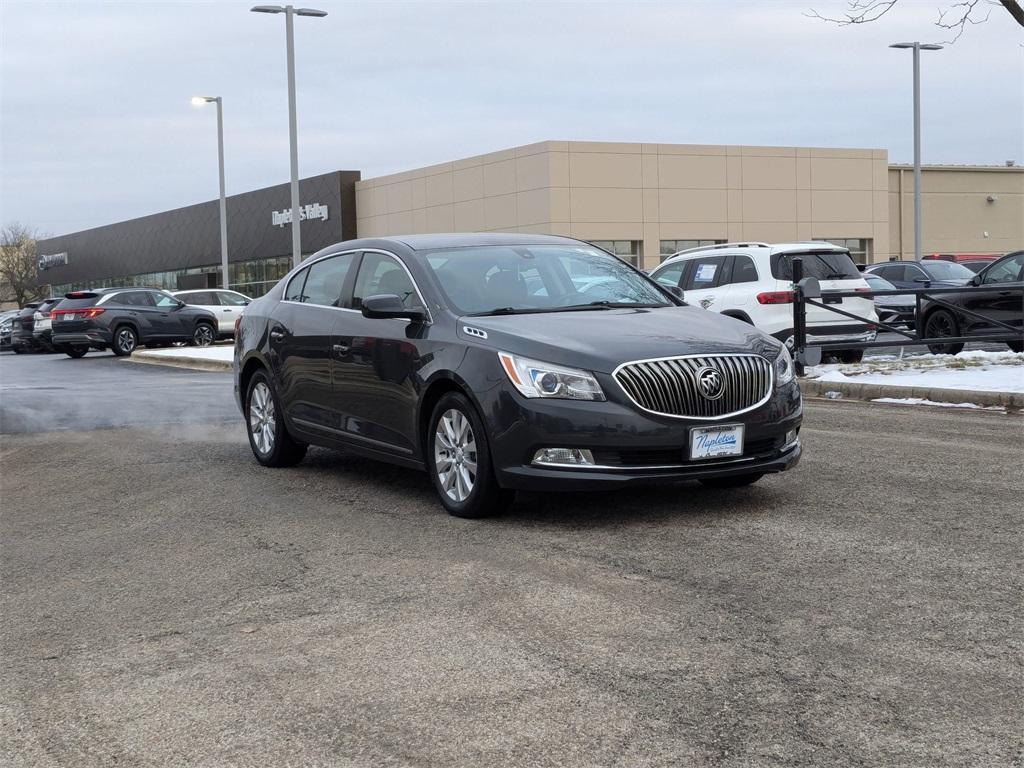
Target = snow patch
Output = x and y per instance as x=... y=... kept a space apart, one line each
x=925 y=401
x=224 y=353
x=979 y=371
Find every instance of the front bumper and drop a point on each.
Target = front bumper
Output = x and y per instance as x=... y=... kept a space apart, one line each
x=631 y=448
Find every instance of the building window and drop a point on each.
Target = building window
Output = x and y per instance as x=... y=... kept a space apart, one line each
x=860 y=249
x=627 y=250
x=669 y=247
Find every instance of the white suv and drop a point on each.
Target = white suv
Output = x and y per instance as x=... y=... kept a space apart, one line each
x=753 y=282
x=226 y=305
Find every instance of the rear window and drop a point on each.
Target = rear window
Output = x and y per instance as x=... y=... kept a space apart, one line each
x=77 y=301
x=824 y=265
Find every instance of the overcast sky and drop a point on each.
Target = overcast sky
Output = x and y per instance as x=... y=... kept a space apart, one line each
x=97 y=126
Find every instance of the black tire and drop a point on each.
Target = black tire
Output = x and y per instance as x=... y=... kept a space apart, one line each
x=1015 y=346
x=733 y=481
x=204 y=335
x=276 y=447
x=938 y=324
x=126 y=341
x=468 y=488
x=76 y=352
x=850 y=355
x=18 y=350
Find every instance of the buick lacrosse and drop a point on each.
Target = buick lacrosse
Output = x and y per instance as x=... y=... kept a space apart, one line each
x=501 y=362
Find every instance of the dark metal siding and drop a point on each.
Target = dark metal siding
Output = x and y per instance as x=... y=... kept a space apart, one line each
x=190 y=237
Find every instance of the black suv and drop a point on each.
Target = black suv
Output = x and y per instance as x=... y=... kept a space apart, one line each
x=120 y=319
x=946 y=315
x=484 y=360
x=30 y=328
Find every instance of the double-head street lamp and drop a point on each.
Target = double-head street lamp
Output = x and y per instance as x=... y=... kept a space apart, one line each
x=290 y=12
x=917 y=48
x=199 y=101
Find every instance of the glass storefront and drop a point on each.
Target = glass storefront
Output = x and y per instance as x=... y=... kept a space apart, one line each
x=669 y=247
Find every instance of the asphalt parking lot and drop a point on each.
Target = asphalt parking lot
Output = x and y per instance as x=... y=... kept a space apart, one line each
x=167 y=601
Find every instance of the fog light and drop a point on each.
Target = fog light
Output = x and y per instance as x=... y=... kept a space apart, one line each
x=564 y=456
x=791 y=438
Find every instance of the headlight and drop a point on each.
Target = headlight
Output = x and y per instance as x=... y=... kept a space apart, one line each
x=783 y=367
x=536 y=379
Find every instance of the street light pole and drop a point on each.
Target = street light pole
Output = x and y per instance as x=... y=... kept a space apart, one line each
x=200 y=101
x=293 y=141
x=917 y=48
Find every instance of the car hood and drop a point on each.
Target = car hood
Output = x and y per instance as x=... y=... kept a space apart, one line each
x=602 y=340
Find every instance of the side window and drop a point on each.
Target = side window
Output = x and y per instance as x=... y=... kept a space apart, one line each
x=134 y=299
x=229 y=299
x=671 y=275
x=1005 y=272
x=163 y=299
x=914 y=272
x=743 y=270
x=197 y=298
x=705 y=273
x=380 y=273
x=294 y=290
x=895 y=272
x=326 y=280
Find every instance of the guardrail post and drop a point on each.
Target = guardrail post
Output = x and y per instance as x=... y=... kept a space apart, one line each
x=799 y=317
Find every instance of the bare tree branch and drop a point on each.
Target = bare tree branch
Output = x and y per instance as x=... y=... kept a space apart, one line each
x=19 y=269
x=954 y=17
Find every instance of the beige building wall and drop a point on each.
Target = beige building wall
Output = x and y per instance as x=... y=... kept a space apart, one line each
x=641 y=192
x=969 y=209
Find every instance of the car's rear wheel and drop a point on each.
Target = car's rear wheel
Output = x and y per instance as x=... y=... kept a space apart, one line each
x=204 y=335
x=76 y=352
x=269 y=439
x=125 y=341
x=850 y=355
x=942 y=324
x=734 y=481
x=1015 y=346
x=459 y=460
x=18 y=350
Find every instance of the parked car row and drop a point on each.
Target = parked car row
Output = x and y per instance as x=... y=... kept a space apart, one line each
x=122 y=319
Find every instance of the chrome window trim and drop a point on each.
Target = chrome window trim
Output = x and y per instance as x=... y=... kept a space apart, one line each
x=758 y=404
x=305 y=264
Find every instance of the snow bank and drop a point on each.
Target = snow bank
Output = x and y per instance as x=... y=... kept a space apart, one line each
x=220 y=352
x=978 y=371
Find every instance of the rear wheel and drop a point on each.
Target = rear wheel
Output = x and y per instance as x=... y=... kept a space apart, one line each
x=18 y=350
x=735 y=481
x=125 y=341
x=269 y=439
x=203 y=335
x=76 y=352
x=942 y=324
x=459 y=461
x=1016 y=346
x=851 y=355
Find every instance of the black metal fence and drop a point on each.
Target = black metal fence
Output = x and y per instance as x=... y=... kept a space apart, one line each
x=807 y=292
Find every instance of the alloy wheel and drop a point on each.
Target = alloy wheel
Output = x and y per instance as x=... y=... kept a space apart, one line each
x=126 y=340
x=261 y=418
x=203 y=336
x=455 y=455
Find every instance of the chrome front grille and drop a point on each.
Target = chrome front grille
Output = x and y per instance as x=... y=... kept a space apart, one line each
x=671 y=386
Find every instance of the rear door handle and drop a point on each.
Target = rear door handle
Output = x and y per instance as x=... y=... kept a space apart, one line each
x=277 y=334
x=341 y=349
x=225 y=310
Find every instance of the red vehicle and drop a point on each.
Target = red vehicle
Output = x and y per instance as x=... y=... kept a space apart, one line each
x=959 y=257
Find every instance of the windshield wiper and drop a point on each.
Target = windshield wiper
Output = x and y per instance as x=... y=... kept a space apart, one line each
x=607 y=305
x=509 y=311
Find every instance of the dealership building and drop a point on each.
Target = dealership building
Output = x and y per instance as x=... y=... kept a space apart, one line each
x=640 y=201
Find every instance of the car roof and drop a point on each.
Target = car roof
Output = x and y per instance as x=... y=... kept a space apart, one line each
x=455 y=240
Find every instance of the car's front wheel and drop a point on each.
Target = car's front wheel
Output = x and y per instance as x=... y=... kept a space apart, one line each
x=269 y=439
x=942 y=324
x=1015 y=346
x=204 y=335
x=125 y=341
x=459 y=461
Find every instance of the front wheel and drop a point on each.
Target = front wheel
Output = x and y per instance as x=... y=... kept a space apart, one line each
x=204 y=335
x=459 y=461
x=76 y=352
x=942 y=324
x=269 y=439
x=125 y=341
x=735 y=481
x=1015 y=346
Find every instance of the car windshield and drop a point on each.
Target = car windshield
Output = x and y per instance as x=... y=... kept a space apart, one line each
x=513 y=279
x=946 y=270
x=823 y=265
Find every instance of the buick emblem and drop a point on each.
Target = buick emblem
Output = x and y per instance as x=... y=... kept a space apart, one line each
x=710 y=382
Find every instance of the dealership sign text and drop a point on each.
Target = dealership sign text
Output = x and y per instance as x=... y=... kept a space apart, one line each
x=310 y=211
x=52 y=260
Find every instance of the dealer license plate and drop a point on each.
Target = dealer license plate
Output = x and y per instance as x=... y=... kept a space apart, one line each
x=716 y=442
x=69 y=316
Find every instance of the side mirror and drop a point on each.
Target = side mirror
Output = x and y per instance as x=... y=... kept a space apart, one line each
x=388 y=305
x=246 y=303
x=976 y=280
x=181 y=304
x=675 y=290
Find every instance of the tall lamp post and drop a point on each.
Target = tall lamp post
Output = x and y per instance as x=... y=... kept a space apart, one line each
x=199 y=101
x=289 y=12
x=917 y=48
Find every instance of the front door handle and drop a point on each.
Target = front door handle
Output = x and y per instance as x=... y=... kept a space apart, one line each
x=341 y=349
x=225 y=310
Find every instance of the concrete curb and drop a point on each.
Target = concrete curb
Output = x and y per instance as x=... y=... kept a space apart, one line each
x=854 y=391
x=193 y=363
